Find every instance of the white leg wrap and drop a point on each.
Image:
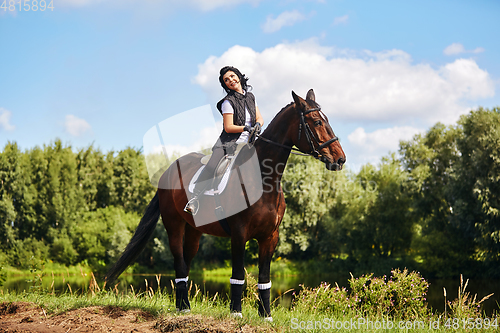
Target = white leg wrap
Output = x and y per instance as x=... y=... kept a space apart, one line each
x=182 y=279
x=264 y=286
x=235 y=281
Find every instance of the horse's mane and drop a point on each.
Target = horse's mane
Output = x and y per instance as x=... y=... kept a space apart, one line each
x=272 y=123
x=286 y=107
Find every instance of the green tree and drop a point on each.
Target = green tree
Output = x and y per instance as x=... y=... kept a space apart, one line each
x=388 y=226
x=308 y=188
x=95 y=177
x=15 y=192
x=133 y=191
x=444 y=247
x=369 y=218
x=100 y=236
x=475 y=185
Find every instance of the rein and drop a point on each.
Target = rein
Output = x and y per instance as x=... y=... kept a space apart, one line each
x=314 y=152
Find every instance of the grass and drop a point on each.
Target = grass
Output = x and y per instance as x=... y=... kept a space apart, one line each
x=305 y=316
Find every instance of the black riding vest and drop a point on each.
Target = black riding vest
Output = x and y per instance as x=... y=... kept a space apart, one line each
x=238 y=102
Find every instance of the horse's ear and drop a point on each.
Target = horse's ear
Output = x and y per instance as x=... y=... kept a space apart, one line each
x=298 y=100
x=310 y=96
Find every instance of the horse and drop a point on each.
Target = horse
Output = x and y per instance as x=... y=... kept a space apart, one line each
x=301 y=124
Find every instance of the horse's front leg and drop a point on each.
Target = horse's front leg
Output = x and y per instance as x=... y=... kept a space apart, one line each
x=238 y=275
x=266 y=251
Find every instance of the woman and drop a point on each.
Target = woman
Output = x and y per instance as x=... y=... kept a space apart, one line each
x=241 y=116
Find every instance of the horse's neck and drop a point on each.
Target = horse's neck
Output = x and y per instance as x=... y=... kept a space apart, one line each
x=272 y=157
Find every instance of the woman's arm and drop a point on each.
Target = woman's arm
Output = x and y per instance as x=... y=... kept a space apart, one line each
x=258 y=116
x=229 y=125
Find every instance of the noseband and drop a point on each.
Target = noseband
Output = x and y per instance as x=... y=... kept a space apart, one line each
x=311 y=139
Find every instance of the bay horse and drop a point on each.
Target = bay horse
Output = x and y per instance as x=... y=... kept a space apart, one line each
x=300 y=124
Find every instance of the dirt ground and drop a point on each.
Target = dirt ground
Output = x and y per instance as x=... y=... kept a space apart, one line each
x=27 y=317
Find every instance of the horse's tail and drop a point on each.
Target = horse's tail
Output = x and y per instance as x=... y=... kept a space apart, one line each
x=138 y=242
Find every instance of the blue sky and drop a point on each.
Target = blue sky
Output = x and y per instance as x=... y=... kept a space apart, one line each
x=106 y=71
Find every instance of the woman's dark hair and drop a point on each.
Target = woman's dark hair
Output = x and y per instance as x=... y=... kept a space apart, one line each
x=242 y=77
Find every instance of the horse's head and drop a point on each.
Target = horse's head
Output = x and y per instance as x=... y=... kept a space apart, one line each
x=315 y=135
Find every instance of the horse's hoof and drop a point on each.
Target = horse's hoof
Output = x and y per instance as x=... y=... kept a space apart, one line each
x=269 y=319
x=184 y=310
x=236 y=315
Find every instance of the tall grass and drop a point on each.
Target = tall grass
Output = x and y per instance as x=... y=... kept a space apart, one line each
x=370 y=304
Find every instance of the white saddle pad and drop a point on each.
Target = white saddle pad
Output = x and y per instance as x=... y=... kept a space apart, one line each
x=222 y=184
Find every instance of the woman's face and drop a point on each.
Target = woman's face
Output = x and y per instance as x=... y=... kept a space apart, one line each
x=232 y=81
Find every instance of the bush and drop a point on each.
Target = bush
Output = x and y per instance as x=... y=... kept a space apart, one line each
x=100 y=236
x=3 y=273
x=26 y=250
x=402 y=295
x=324 y=299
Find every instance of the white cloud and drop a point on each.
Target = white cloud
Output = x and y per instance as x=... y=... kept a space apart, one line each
x=369 y=147
x=81 y=3
x=5 y=120
x=204 y=5
x=354 y=86
x=457 y=48
x=207 y=5
x=384 y=140
x=76 y=126
x=287 y=18
x=340 y=20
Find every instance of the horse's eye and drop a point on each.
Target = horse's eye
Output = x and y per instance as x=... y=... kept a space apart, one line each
x=317 y=123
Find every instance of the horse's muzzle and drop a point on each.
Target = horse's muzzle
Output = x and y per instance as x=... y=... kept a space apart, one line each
x=333 y=166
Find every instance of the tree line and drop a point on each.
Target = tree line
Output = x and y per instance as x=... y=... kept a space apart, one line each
x=433 y=206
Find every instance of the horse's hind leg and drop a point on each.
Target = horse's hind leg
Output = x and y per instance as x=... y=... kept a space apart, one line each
x=266 y=251
x=191 y=244
x=238 y=274
x=190 y=248
x=176 y=229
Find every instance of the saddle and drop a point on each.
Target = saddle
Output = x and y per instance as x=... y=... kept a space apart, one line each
x=243 y=169
x=222 y=172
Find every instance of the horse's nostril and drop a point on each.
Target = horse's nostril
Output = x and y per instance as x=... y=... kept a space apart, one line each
x=341 y=160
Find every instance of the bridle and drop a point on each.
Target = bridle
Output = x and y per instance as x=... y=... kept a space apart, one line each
x=311 y=139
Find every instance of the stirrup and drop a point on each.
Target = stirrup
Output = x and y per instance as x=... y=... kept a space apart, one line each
x=192 y=206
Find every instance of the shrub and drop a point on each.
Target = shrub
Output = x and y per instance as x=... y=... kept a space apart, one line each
x=324 y=299
x=402 y=295
x=27 y=250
